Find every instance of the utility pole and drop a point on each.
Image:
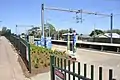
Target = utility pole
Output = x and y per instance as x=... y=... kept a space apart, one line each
x=58 y=34
x=48 y=27
x=16 y=29
x=42 y=19
x=111 y=26
x=94 y=32
x=49 y=31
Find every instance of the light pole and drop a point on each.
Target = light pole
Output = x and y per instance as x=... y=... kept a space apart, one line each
x=42 y=19
x=48 y=27
x=58 y=34
x=16 y=29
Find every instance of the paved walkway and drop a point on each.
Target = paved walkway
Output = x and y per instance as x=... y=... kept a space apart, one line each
x=9 y=66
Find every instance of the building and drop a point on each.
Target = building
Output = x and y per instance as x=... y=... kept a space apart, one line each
x=65 y=36
x=108 y=35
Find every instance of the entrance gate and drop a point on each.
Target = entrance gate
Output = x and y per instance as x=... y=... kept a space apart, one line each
x=61 y=70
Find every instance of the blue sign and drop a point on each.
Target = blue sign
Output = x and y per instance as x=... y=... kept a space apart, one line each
x=42 y=41
x=48 y=43
x=38 y=43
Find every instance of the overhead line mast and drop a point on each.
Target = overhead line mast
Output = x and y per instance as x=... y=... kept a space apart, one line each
x=75 y=11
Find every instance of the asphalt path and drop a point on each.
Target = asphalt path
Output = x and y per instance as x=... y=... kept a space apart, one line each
x=9 y=66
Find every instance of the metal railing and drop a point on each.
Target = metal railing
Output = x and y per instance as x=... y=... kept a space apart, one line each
x=58 y=65
x=23 y=48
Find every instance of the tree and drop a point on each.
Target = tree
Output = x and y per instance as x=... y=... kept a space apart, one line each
x=0 y=32
x=71 y=30
x=22 y=33
x=50 y=27
x=4 y=30
x=61 y=32
x=8 y=31
x=35 y=31
x=96 y=32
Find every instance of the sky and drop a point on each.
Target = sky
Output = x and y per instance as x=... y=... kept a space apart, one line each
x=25 y=13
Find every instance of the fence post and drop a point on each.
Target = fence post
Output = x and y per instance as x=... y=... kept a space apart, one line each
x=73 y=70
x=100 y=73
x=111 y=75
x=78 y=70
x=19 y=44
x=85 y=70
x=65 y=67
x=92 y=72
x=58 y=62
x=61 y=61
x=51 y=67
x=29 y=58
x=68 y=69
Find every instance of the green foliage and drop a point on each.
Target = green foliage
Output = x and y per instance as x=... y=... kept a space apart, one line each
x=96 y=32
x=22 y=33
x=40 y=57
x=5 y=31
x=62 y=32
x=65 y=31
x=0 y=32
x=36 y=32
x=50 y=27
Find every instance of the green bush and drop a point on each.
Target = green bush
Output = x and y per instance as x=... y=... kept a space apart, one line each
x=40 y=57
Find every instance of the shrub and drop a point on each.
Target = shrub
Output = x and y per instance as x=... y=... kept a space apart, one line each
x=40 y=57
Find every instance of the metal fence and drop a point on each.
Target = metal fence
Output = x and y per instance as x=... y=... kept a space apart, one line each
x=23 y=48
x=59 y=71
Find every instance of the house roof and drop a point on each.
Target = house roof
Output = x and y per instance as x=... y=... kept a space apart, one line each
x=85 y=36
x=68 y=34
x=107 y=35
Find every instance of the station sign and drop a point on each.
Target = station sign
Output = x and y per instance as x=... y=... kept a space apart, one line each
x=59 y=75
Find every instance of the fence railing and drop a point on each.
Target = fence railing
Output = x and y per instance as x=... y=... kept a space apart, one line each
x=61 y=68
x=23 y=47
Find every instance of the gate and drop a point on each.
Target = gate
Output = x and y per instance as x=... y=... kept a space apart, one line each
x=61 y=70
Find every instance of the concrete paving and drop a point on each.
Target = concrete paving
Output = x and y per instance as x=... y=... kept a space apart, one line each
x=9 y=66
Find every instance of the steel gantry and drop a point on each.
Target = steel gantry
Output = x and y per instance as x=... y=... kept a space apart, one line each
x=75 y=11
